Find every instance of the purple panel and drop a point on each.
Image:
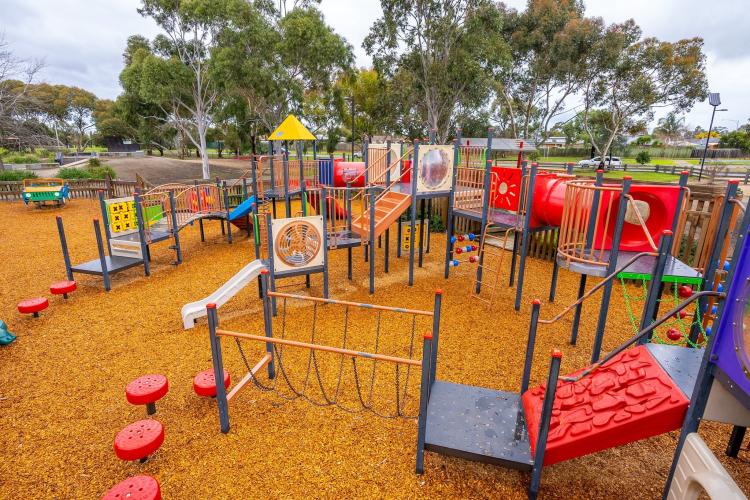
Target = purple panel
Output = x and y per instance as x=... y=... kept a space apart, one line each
x=731 y=352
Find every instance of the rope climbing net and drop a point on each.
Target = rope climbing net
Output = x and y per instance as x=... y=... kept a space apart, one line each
x=323 y=382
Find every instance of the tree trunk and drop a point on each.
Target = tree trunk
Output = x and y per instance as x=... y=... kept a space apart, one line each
x=204 y=153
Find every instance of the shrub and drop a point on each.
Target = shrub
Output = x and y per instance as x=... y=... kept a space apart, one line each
x=533 y=156
x=20 y=159
x=16 y=175
x=643 y=157
x=94 y=170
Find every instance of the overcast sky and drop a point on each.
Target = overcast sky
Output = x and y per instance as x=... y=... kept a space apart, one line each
x=81 y=41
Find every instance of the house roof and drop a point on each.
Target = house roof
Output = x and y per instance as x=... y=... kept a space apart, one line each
x=498 y=143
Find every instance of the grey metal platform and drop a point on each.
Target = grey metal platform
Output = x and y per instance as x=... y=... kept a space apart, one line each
x=675 y=271
x=114 y=264
x=344 y=239
x=478 y=424
x=680 y=363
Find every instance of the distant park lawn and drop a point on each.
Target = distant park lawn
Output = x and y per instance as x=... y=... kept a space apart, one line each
x=637 y=176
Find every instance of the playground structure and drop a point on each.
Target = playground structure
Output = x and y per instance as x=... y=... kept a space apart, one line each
x=45 y=191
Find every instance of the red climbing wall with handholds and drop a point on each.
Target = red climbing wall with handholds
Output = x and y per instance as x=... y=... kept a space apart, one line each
x=505 y=188
x=629 y=398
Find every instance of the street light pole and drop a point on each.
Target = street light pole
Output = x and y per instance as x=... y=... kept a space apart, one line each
x=714 y=100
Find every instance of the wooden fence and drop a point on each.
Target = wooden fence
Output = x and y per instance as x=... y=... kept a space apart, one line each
x=79 y=188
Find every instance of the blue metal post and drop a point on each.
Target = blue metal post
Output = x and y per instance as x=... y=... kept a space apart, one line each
x=525 y=235
x=611 y=267
x=387 y=184
x=541 y=442
x=64 y=245
x=226 y=208
x=142 y=234
x=221 y=391
x=485 y=205
x=267 y=320
x=349 y=229
x=530 y=343
x=514 y=252
x=271 y=172
x=324 y=212
x=424 y=392
x=366 y=159
x=435 y=333
x=272 y=276
x=287 y=199
x=414 y=168
x=371 y=196
x=451 y=201
x=102 y=256
x=651 y=306
x=254 y=174
x=105 y=218
x=244 y=197
x=175 y=229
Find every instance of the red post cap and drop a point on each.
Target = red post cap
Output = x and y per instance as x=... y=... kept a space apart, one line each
x=536 y=302
x=264 y=271
x=734 y=181
x=428 y=336
x=211 y=305
x=557 y=353
x=438 y=291
x=685 y=172
x=599 y=171
x=627 y=178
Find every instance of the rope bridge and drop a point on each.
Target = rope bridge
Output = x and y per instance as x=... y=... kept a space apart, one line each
x=297 y=382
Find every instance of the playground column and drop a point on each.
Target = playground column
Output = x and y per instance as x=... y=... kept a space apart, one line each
x=655 y=287
x=64 y=244
x=271 y=172
x=226 y=208
x=611 y=267
x=713 y=262
x=451 y=197
x=485 y=205
x=324 y=213
x=414 y=167
x=244 y=197
x=589 y=241
x=525 y=235
x=424 y=391
x=221 y=391
x=387 y=185
x=514 y=252
x=142 y=235
x=544 y=422
x=254 y=177
x=533 y=324
x=421 y=231
x=267 y=321
x=435 y=334
x=287 y=200
x=175 y=231
x=272 y=280
x=105 y=218
x=371 y=196
x=102 y=256
x=349 y=229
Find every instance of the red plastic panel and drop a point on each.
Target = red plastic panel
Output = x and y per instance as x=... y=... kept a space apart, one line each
x=29 y=306
x=146 y=389
x=135 y=488
x=344 y=171
x=204 y=384
x=656 y=204
x=628 y=399
x=505 y=188
x=139 y=439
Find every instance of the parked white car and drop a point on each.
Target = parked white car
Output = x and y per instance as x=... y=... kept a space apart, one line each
x=612 y=161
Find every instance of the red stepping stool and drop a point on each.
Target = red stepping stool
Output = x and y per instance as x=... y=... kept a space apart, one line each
x=135 y=488
x=147 y=390
x=33 y=306
x=204 y=384
x=62 y=288
x=139 y=440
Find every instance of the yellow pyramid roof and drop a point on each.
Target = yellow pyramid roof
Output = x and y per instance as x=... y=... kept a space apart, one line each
x=291 y=129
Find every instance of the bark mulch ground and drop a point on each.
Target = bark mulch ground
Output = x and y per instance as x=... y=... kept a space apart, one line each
x=62 y=382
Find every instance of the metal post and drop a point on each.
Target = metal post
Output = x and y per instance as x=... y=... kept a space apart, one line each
x=244 y=198
x=226 y=208
x=102 y=256
x=451 y=201
x=267 y=320
x=429 y=223
x=366 y=159
x=221 y=390
x=142 y=235
x=414 y=167
x=705 y=148
x=254 y=177
x=435 y=333
x=713 y=262
x=64 y=245
x=371 y=195
x=324 y=212
x=272 y=281
x=525 y=235
x=611 y=267
x=349 y=229
x=175 y=231
x=530 y=342
x=485 y=206
x=553 y=279
x=514 y=252
x=271 y=172
x=424 y=391
x=105 y=218
x=287 y=200
x=546 y=417
x=387 y=185
x=735 y=441
x=655 y=286
x=421 y=231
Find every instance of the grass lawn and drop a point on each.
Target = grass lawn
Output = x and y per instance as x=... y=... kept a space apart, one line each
x=637 y=176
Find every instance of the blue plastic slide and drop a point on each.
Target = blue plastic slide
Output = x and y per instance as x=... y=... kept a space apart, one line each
x=242 y=209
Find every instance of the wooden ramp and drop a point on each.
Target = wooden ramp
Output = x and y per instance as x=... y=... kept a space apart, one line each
x=388 y=208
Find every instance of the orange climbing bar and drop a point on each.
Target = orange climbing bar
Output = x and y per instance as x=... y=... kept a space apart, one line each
x=317 y=347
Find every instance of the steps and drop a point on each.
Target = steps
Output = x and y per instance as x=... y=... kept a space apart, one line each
x=388 y=208
x=491 y=255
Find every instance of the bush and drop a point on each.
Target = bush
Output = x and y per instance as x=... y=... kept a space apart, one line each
x=94 y=170
x=16 y=175
x=18 y=159
x=533 y=156
x=643 y=157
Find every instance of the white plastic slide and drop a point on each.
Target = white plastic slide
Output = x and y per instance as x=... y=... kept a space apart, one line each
x=195 y=310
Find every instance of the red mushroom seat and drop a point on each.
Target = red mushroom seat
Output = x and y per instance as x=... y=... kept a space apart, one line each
x=135 y=488
x=204 y=384
x=147 y=390
x=62 y=288
x=33 y=306
x=139 y=440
